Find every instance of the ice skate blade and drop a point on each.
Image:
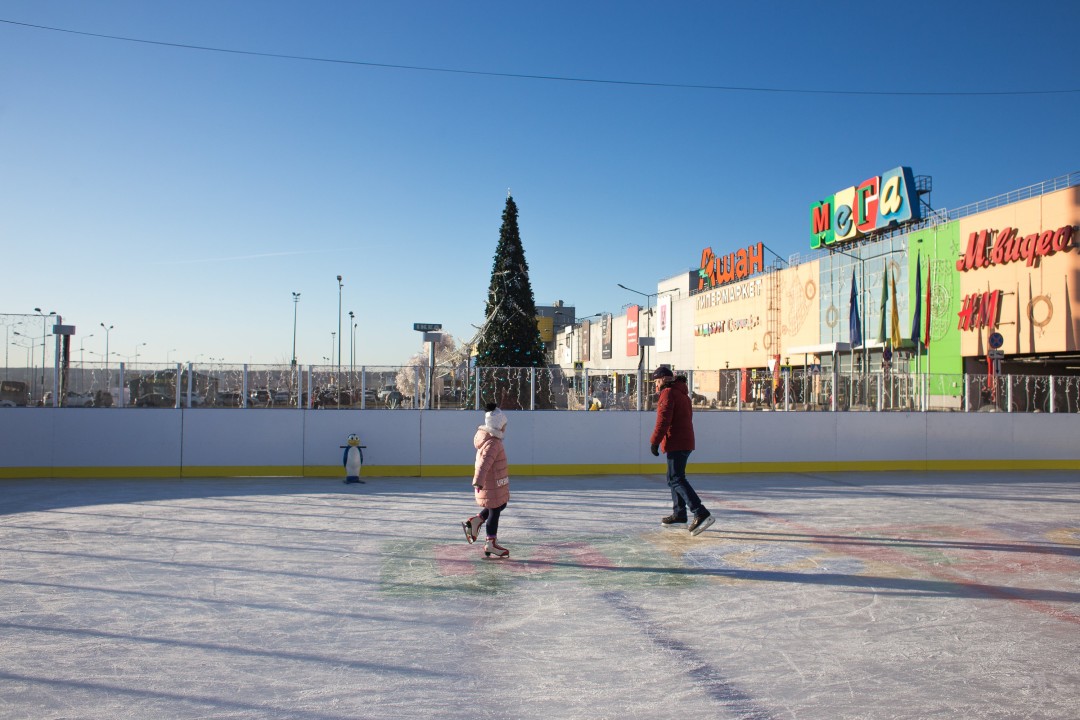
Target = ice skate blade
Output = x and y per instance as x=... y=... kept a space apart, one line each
x=493 y=556
x=469 y=537
x=705 y=525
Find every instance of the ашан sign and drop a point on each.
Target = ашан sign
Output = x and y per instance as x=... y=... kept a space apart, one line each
x=718 y=270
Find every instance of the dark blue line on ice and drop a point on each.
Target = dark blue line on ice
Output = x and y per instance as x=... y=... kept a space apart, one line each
x=704 y=675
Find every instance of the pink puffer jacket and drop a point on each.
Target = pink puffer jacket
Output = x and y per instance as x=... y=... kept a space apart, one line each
x=491 y=478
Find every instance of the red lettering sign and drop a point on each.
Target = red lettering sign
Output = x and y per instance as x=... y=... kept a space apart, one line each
x=1009 y=246
x=979 y=310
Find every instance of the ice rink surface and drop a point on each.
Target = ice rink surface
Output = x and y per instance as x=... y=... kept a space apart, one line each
x=813 y=597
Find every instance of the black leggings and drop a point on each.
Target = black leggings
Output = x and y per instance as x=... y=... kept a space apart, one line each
x=491 y=515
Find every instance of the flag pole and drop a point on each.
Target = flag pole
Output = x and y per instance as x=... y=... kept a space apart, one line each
x=929 y=265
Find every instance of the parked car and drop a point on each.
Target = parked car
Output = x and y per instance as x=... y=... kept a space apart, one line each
x=74 y=399
x=384 y=393
x=158 y=400
x=13 y=394
x=230 y=398
x=260 y=397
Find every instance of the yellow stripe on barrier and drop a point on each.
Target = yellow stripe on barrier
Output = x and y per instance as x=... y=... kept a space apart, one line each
x=466 y=471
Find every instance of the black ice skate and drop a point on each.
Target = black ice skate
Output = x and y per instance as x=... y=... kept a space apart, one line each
x=673 y=520
x=701 y=523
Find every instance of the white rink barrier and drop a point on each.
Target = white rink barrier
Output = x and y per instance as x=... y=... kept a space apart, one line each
x=51 y=442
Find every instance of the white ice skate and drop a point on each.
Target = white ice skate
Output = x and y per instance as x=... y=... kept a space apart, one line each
x=472 y=528
x=494 y=549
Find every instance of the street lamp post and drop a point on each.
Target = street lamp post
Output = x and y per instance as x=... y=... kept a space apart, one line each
x=339 y=286
x=30 y=360
x=137 y=346
x=644 y=348
x=7 y=341
x=108 y=378
x=44 y=334
x=352 y=344
x=29 y=355
x=296 y=301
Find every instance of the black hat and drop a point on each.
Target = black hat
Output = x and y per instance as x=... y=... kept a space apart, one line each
x=662 y=372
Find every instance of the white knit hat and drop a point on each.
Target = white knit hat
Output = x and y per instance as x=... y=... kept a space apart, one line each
x=495 y=422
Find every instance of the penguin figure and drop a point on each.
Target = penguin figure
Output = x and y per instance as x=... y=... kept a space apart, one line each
x=353 y=459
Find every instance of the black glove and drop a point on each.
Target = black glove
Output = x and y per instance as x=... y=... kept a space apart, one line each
x=655 y=450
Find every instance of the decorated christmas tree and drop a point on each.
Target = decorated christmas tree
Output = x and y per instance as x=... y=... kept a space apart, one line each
x=510 y=336
x=509 y=341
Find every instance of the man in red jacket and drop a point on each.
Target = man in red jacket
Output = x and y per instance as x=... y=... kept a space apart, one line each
x=674 y=434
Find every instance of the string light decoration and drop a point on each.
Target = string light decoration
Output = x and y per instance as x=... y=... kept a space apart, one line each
x=509 y=339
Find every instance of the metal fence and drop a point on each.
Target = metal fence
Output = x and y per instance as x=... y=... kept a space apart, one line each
x=237 y=387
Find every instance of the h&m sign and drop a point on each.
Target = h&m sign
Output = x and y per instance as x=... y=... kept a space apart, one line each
x=980 y=310
x=876 y=203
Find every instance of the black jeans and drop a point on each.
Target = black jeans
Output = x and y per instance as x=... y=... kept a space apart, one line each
x=491 y=515
x=682 y=495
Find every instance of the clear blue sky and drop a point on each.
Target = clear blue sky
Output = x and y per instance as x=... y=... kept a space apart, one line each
x=182 y=195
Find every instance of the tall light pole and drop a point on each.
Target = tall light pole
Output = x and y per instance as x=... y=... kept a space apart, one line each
x=295 y=302
x=352 y=344
x=139 y=345
x=339 y=286
x=30 y=360
x=44 y=334
x=333 y=336
x=108 y=378
x=648 y=311
x=29 y=355
x=7 y=340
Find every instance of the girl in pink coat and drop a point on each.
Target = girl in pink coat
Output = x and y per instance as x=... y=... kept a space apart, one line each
x=491 y=481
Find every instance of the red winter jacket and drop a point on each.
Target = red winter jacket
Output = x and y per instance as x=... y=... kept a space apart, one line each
x=674 y=429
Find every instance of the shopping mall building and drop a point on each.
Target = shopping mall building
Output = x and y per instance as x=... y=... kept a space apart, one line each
x=886 y=286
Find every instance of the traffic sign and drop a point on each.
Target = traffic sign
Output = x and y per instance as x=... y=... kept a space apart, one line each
x=996 y=340
x=426 y=327
x=996 y=354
